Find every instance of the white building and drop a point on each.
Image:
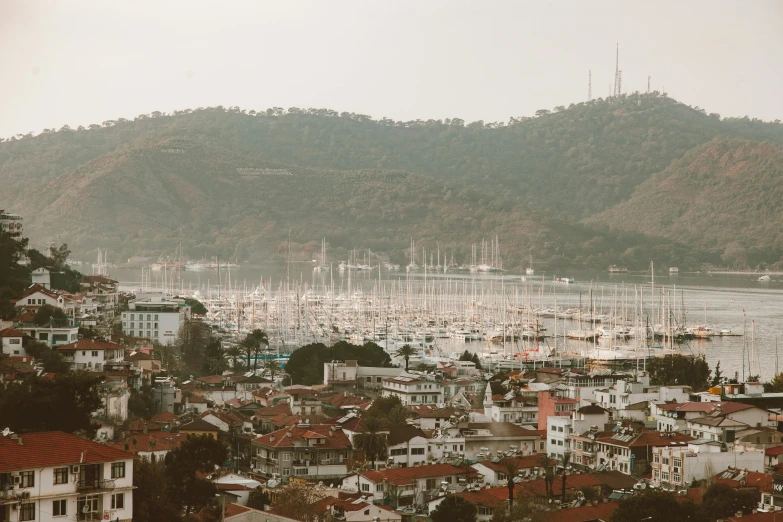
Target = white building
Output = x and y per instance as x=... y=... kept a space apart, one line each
x=413 y=390
x=36 y=296
x=681 y=465
x=519 y=407
x=627 y=392
x=560 y=428
x=155 y=319
x=52 y=476
x=407 y=446
x=92 y=355
x=676 y=416
x=52 y=335
x=11 y=342
x=41 y=276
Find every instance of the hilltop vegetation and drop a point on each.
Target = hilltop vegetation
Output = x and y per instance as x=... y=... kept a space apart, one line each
x=237 y=182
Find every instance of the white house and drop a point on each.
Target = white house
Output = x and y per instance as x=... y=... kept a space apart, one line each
x=92 y=355
x=11 y=342
x=51 y=476
x=675 y=416
x=407 y=446
x=36 y=296
x=53 y=335
x=627 y=392
x=680 y=465
x=413 y=390
x=560 y=428
x=41 y=276
x=155 y=318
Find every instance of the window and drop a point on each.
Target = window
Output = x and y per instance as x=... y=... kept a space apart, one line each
x=87 y=505
x=665 y=476
x=665 y=461
x=59 y=508
x=132 y=317
x=398 y=452
x=286 y=456
x=156 y=317
x=118 y=501
x=28 y=479
x=431 y=484
x=43 y=336
x=95 y=353
x=60 y=475
x=676 y=478
x=655 y=458
x=285 y=472
x=655 y=474
x=117 y=470
x=365 y=487
x=417 y=451
x=378 y=488
x=27 y=511
x=677 y=463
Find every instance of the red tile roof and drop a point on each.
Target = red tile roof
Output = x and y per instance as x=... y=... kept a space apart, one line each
x=284 y=438
x=402 y=476
x=198 y=425
x=737 y=478
x=38 y=288
x=164 y=416
x=583 y=514
x=233 y=510
x=54 y=448
x=526 y=462
x=777 y=450
x=440 y=413
x=11 y=332
x=91 y=344
x=140 y=424
x=645 y=438
x=486 y=497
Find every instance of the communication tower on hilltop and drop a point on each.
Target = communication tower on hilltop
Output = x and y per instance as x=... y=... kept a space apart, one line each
x=617 y=71
x=648 y=83
x=590 y=86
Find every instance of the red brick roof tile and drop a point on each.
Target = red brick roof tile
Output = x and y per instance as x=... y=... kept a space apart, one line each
x=54 y=448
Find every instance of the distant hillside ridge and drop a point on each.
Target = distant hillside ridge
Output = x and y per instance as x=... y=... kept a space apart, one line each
x=725 y=196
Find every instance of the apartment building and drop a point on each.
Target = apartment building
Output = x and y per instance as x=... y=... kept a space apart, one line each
x=51 y=476
x=92 y=355
x=413 y=390
x=155 y=318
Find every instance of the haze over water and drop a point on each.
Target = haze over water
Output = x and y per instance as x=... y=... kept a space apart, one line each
x=726 y=298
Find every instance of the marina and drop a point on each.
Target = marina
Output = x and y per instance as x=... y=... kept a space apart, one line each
x=509 y=322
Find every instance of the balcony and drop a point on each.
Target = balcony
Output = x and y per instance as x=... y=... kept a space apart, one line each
x=94 y=485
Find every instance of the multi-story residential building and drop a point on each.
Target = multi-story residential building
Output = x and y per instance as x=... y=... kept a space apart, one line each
x=413 y=390
x=56 y=332
x=623 y=449
x=92 y=354
x=559 y=428
x=50 y=476
x=681 y=465
x=11 y=223
x=12 y=342
x=554 y=403
x=515 y=406
x=407 y=446
x=155 y=318
x=676 y=416
x=407 y=486
x=470 y=388
x=103 y=290
x=433 y=419
x=627 y=392
x=340 y=375
x=317 y=452
x=582 y=386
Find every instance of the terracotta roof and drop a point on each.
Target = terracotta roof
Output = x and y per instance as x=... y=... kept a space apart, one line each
x=342 y=400
x=400 y=434
x=284 y=438
x=538 y=487
x=402 y=476
x=37 y=288
x=777 y=450
x=233 y=510
x=196 y=399
x=615 y=479
x=91 y=344
x=140 y=424
x=592 y=409
x=486 y=498
x=141 y=441
x=272 y=411
x=11 y=332
x=583 y=514
x=198 y=425
x=164 y=416
x=440 y=413
x=645 y=438
x=738 y=478
x=211 y=379
x=54 y=448
x=706 y=407
x=139 y=356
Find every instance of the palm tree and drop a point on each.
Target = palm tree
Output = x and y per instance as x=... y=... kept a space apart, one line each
x=397 y=416
x=372 y=441
x=273 y=366
x=512 y=468
x=406 y=352
x=564 y=461
x=259 y=337
x=549 y=475
x=234 y=352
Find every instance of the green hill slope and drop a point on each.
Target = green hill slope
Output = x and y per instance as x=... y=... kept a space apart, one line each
x=725 y=196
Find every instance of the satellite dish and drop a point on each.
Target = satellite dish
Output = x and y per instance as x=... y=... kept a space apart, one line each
x=86 y=508
x=6 y=432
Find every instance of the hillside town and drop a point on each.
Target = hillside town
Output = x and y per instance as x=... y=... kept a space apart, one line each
x=366 y=443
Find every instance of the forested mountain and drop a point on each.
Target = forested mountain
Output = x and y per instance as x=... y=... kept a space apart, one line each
x=725 y=196
x=237 y=183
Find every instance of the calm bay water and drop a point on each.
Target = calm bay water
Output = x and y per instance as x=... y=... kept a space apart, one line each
x=729 y=300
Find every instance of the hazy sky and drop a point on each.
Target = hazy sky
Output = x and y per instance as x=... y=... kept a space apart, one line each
x=81 y=62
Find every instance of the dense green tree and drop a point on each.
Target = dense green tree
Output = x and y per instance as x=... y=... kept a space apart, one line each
x=397 y=416
x=306 y=365
x=196 y=454
x=215 y=362
x=655 y=505
x=65 y=403
x=717 y=376
x=472 y=357
x=141 y=403
x=454 y=509
x=680 y=369
x=298 y=503
x=383 y=406
x=722 y=501
x=523 y=510
x=511 y=467
x=50 y=358
x=47 y=313
x=14 y=278
x=371 y=440
x=153 y=500
x=196 y=306
x=258 y=499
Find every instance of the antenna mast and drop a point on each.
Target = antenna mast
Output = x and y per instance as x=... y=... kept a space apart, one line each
x=620 y=83
x=617 y=71
x=590 y=86
x=648 y=83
